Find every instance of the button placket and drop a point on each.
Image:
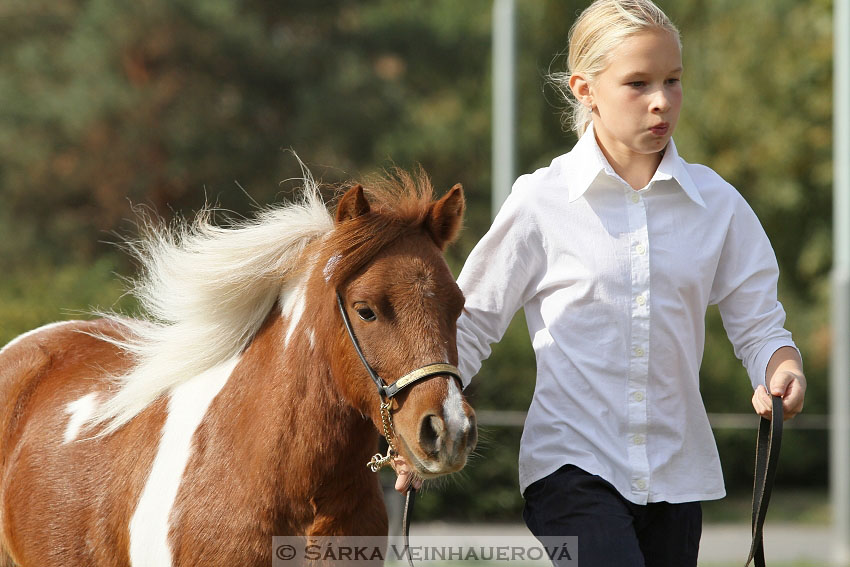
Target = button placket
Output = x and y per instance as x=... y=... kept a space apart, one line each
x=639 y=356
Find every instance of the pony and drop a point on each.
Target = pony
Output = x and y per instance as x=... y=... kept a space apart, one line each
x=237 y=409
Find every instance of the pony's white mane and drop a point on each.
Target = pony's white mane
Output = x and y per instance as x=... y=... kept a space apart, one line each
x=206 y=291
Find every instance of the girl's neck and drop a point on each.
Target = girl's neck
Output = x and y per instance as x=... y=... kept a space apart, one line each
x=635 y=169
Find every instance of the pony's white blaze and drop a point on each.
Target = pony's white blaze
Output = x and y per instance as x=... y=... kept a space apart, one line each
x=81 y=410
x=453 y=413
x=186 y=409
x=20 y=338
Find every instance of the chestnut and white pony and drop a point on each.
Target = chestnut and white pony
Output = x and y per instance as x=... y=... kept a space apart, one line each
x=237 y=410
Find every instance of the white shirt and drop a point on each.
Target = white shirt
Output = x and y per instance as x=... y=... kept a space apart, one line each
x=615 y=284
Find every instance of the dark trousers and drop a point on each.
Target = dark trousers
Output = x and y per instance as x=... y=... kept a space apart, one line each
x=611 y=531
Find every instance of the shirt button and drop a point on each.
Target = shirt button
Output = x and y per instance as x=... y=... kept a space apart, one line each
x=639 y=351
x=640 y=249
x=635 y=197
x=637 y=396
x=641 y=300
x=638 y=439
x=640 y=484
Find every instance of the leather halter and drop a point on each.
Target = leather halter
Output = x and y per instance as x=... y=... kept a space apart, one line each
x=388 y=391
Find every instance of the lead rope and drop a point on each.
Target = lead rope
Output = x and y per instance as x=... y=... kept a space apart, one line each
x=379 y=461
x=409 y=500
x=768 y=443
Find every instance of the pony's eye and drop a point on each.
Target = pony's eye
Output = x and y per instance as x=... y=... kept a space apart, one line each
x=365 y=313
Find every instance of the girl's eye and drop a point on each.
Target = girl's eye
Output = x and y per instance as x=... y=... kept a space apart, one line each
x=365 y=313
x=636 y=84
x=673 y=81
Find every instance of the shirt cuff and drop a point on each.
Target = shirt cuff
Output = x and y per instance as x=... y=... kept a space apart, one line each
x=758 y=369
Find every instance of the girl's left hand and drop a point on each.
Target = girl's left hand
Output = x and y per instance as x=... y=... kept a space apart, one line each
x=791 y=386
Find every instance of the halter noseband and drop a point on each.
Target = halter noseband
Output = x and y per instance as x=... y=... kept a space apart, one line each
x=388 y=391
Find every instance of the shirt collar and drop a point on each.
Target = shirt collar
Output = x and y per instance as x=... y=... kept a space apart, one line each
x=589 y=162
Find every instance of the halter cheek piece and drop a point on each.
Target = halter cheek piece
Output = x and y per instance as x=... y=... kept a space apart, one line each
x=388 y=391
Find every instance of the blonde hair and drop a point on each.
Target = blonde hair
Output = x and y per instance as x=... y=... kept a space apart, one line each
x=599 y=29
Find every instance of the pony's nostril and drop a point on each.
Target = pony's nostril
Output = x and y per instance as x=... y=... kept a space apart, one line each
x=430 y=434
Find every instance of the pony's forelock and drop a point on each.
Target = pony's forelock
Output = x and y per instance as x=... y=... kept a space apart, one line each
x=399 y=203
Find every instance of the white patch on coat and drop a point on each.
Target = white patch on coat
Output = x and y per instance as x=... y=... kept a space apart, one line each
x=328 y=271
x=292 y=307
x=20 y=338
x=81 y=410
x=207 y=289
x=187 y=406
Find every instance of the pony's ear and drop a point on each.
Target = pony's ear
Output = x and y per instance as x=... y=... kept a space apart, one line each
x=445 y=217
x=352 y=205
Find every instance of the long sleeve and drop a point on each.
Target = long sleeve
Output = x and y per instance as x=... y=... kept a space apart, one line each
x=745 y=290
x=498 y=278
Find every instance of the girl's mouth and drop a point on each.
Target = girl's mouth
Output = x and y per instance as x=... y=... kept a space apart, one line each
x=660 y=129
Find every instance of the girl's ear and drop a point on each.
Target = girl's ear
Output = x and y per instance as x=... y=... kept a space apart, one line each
x=580 y=87
x=445 y=217
x=352 y=205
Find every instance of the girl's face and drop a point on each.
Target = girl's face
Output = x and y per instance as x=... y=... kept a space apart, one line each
x=637 y=98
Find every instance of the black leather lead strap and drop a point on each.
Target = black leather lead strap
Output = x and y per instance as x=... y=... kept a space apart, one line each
x=767 y=456
x=409 y=499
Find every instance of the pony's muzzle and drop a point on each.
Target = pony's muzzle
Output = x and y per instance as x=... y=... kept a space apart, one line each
x=448 y=441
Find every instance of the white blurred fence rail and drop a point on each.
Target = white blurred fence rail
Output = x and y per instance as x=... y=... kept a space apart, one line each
x=504 y=418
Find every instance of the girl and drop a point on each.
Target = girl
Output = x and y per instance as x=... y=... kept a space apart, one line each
x=615 y=251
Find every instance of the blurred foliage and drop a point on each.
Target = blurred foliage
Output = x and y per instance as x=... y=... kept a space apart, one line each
x=174 y=103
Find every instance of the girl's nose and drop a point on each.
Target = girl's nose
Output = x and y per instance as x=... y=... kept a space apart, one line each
x=660 y=104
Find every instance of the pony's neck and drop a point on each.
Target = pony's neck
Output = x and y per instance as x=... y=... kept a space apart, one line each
x=308 y=413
